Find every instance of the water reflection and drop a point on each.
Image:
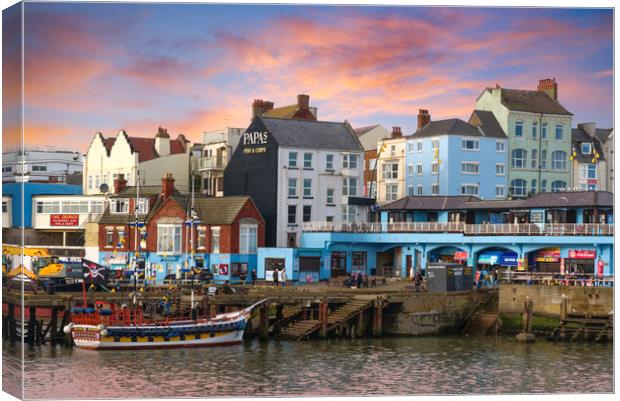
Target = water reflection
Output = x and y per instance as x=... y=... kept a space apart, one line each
x=388 y=366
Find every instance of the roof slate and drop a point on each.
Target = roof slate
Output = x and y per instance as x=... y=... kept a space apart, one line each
x=429 y=202
x=146 y=146
x=488 y=123
x=451 y=126
x=312 y=134
x=363 y=130
x=603 y=133
x=222 y=210
x=579 y=136
x=531 y=101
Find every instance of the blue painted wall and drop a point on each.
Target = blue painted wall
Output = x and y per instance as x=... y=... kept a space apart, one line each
x=450 y=170
x=31 y=189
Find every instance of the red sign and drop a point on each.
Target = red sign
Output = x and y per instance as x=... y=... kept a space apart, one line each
x=592 y=182
x=223 y=270
x=460 y=255
x=548 y=255
x=64 y=220
x=581 y=254
x=600 y=266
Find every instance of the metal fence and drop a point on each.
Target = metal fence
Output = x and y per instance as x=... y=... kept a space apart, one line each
x=552 y=229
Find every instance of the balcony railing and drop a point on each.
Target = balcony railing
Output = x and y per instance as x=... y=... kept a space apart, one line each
x=211 y=163
x=467 y=229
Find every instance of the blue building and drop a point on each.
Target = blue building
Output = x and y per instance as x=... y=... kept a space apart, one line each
x=30 y=189
x=568 y=232
x=452 y=157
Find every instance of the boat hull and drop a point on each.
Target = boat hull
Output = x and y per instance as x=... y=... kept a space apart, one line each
x=98 y=342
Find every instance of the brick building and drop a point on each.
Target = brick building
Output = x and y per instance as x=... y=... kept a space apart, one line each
x=226 y=232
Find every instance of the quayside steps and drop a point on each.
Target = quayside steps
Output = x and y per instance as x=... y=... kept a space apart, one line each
x=330 y=321
x=484 y=319
x=584 y=327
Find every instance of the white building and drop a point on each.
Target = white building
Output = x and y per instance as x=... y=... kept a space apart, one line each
x=41 y=165
x=391 y=174
x=217 y=148
x=299 y=171
x=591 y=162
x=122 y=154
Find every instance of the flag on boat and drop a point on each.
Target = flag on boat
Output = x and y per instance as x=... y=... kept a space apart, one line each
x=94 y=273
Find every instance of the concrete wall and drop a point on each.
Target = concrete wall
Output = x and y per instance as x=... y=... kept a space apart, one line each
x=547 y=299
x=427 y=314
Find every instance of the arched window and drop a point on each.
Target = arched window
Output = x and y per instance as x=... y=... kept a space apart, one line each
x=518 y=187
x=519 y=158
x=534 y=157
x=533 y=188
x=558 y=186
x=543 y=159
x=558 y=160
x=543 y=186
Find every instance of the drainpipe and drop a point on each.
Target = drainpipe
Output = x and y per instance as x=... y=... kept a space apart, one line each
x=540 y=130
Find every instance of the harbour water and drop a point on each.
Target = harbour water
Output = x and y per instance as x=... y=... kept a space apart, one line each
x=385 y=366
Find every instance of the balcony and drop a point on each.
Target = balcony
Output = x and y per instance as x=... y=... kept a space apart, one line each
x=563 y=229
x=211 y=163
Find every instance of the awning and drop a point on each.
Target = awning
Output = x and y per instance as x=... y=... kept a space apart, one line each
x=498 y=258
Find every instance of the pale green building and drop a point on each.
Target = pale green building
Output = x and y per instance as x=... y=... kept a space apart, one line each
x=539 y=136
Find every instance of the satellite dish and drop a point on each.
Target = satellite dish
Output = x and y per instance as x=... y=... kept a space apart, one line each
x=104 y=188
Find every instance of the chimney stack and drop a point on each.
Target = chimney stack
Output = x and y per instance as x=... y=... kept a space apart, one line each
x=423 y=118
x=396 y=132
x=162 y=142
x=303 y=102
x=120 y=183
x=267 y=105
x=257 y=108
x=549 y=86
x=167 y=185
x=588 y=128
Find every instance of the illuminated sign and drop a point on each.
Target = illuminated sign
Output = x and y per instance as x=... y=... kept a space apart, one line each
x=581 y=254
x=548 y=255
x=459 y=255
x=64 y=220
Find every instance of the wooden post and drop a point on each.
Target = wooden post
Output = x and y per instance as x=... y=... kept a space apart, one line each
x=264 y=322
x=12 y=323
x=32 y=325
x=360 y=324
x=323 y=319
x=377 y=318
x=54 y=326
x=563 y=308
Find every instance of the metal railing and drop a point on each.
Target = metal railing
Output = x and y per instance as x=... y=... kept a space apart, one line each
x=574 y=279
x=551 y=229
x=211 y=162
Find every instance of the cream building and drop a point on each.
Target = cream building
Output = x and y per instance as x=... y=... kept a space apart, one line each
x=217 y=148
x=539 y=133
x=123 y=154
x=391 y=169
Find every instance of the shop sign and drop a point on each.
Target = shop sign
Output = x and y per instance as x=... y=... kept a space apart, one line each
x=600 y=266
x=592 y=182
x=536 y=217
x=64 y=220
x=520 y=264
x=562 y=266
x=459 y=255
x=508 y=259
x=254 y=142
x=223 y=270
x=582 y=254
x=549 y=255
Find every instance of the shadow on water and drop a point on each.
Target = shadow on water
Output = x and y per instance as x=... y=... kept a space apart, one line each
x=385 y=366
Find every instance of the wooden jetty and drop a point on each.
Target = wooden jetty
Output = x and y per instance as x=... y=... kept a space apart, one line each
x=575 y=326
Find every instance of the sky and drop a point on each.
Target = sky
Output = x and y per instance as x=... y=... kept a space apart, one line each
x=191 y=68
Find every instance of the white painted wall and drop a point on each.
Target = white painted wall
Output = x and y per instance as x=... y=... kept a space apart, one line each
x=387 y=157
x=321 y=181
x=6 y=216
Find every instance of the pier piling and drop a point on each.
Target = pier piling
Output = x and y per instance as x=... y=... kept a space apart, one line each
x=53 y=327
x=264 y=322
x=12 y=323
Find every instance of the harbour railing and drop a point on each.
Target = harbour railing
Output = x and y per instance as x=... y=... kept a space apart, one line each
x=547 y=229
x=568 y=279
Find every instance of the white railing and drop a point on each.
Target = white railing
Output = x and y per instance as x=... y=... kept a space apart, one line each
x=557 y=229
x=213 y=162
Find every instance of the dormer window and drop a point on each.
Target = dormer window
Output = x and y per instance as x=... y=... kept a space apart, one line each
x=119 y=206
x=586 y=148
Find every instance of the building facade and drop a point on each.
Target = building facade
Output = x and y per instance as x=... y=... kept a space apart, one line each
x=298 y=171
x=391 y=167
x=368 y=137
x=38 y=165
x=589 y=164
x=223 y=235
x=153 y=157
x=217 y=148
x=567 y=233
x=539 y=132
x=452 y=157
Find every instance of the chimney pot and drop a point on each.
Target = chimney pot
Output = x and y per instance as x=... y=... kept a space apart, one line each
x=396 y=132
x=549 y=86
x=303 y=102
x=120 y=183
x=167 y=185
x=424 y=118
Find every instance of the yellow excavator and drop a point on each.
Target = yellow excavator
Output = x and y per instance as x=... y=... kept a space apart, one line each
x=33 y=258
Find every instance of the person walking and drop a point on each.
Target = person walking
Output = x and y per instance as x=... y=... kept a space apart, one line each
x=283 y=277
x=418 y=281
x=360 y=280
x=253 y=276
x=275 y=277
